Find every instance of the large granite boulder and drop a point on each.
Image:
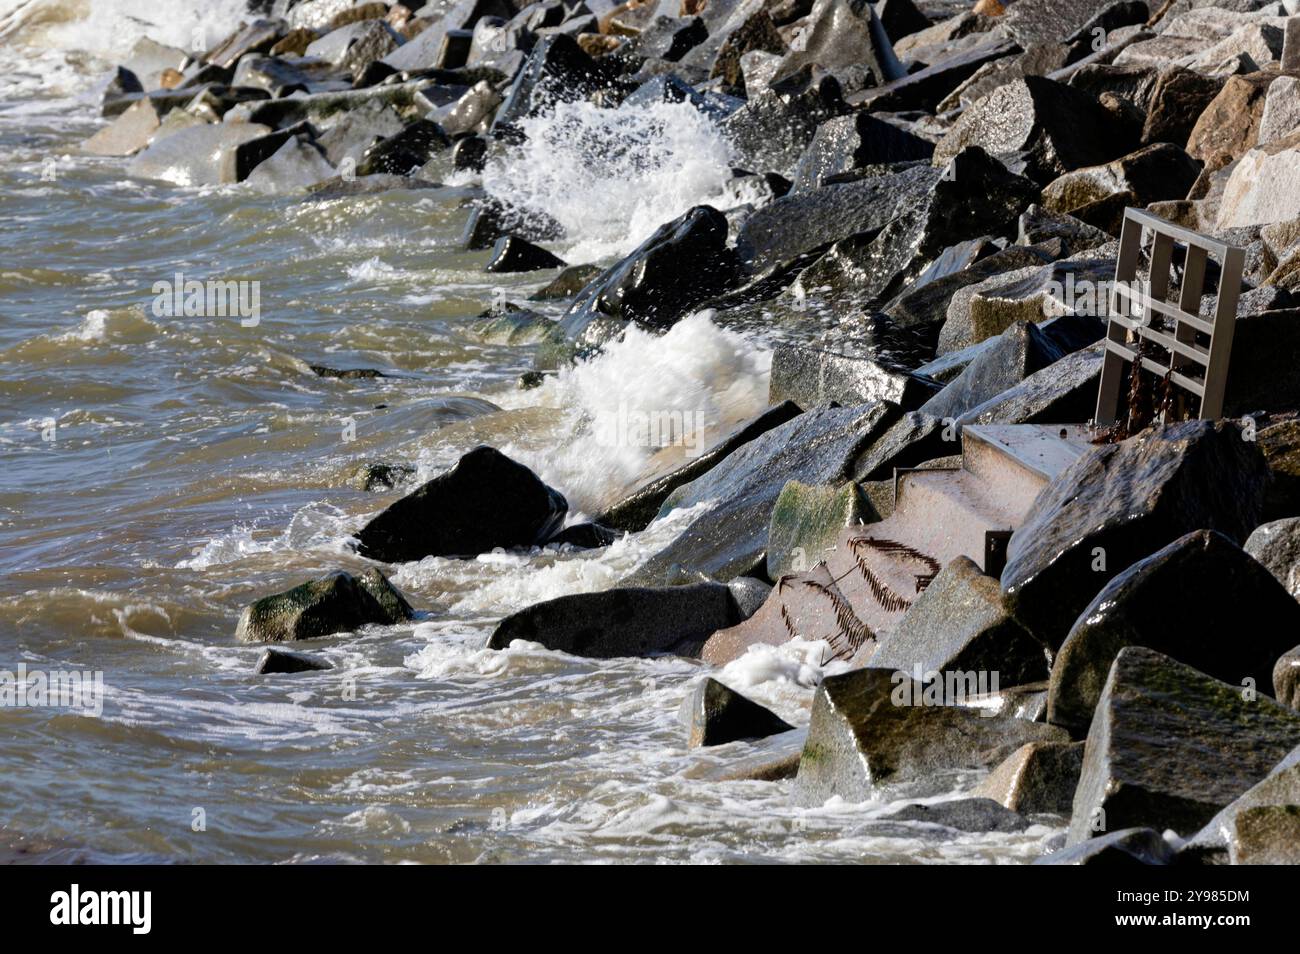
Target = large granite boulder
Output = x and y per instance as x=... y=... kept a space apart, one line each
x=806 y=522
x=1229 y=126
x=730 y=534
x=1276 y=545
x=846 y=38
x=338 y=603
x=1117 y=504
x=626 y=621
x=1177 y=102
x=1064 y=392
x=1264 y=186
x=485 y=501
x=1262 y=826
x=811 y=377
x=868 y=732
x=770 y=132
x=717 y=714
x=355 y=46
x=197 y=155
x=960 y=623
x=1169 y=747
x=1152 y=174
x=1037 y=127
x=1202 y=600
x=1017 y=353
x=846 y=143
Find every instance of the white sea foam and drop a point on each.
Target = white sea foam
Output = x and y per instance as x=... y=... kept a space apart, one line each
x=696 y=372
x=610 y=177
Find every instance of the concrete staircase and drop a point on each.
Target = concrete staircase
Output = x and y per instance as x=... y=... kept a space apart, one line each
x=879 y=569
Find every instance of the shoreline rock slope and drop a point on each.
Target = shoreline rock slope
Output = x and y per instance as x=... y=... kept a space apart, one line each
x=934 y=194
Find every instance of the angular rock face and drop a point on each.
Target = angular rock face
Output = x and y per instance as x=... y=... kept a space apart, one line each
x=811 y=377
x=355 y=46
x=681 y=265
x=851 y=142
x=806 y=521
x=1018 y=352
x=862 y=738
x=795 y=225
x=1229 y=127
x=756 y=33
x=1064 y=392
x=298 y=164
x=639 y=508
x=1156 y=172
x=1115 y=504
x=127 y=134
x=952 y=74
x=1179 y=99
x=1039 y=128
x=817 y=447
x=959 y=623
x=1263 y=186
x=1151 y=604
x=717 y=715
x=404 y=153
x=1037 y=778
x=485 y=501
x=771 y=131
x=928 y=303
x=194 y=156
x=512 y=254
x=557 y=71
x=337 y=603
x=808 y=606
x=1260 y=827
x=1286 y=678
x=277 y=661
x=1170 y=747
x=1276 y=545
x=628 y=621
x=256 y=37
x=1130 y=848
x=424 y=51
x=1043 y=21
x=846 y=38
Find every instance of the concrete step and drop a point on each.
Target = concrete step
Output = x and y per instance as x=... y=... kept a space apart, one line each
x=1016 y=461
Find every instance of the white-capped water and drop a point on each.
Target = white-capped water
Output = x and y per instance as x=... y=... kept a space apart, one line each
x=610 y=177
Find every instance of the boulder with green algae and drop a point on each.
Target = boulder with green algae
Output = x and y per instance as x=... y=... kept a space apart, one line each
x=337 y=603
x=864 y=736
x=1170 y=747
x=807 y=520
x=1182 y=600
x=1119 y=503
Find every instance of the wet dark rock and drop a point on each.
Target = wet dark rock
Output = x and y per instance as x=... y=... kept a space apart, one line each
x=568 y=283
x=270 y=73
x=926 y=304
x=767 y=760
x=513 y=325
x=298 y=164
x=925 y=89
x=585 y=536
x=1131 y=847
x=404 y=153
x=730 y=535
x=799 y=224
x=340 y=187
x=1037 y=127
x=851 y=142
x=469 y=153
x=1170 y=747
x=1180 y=97
x=280 y=661
x=909 y=441
x=256 y=37
x=557 y=70
x=771 y=131
x=666 y=38
x=1037 y=778
x=1040 y=225
x=490 y=219
x=1151 y=604
x=1064 y=392
x=513 y=254
x=346 y=374
x=373 y=476
x=960 y=623
x=1276 y=545
x=806 y=522
x=810 y=377
x=963 y=814
x=485 y=501
x=337 y=603
x=1017 y=353
x=356 y=130
x=1039 y=21
x=864 y=737
x=123 y=83
x=1259 y=827
x=758 y=32
x=472 y=112
x=847 y=39
x=1120 y=502
x=749 y=594
x=717 y=715
x=639 y=508
x=683 y=264
x=627 y=621
x=1153 y=173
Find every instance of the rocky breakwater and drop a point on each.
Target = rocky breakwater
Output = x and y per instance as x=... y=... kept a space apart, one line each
x=931 y=205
